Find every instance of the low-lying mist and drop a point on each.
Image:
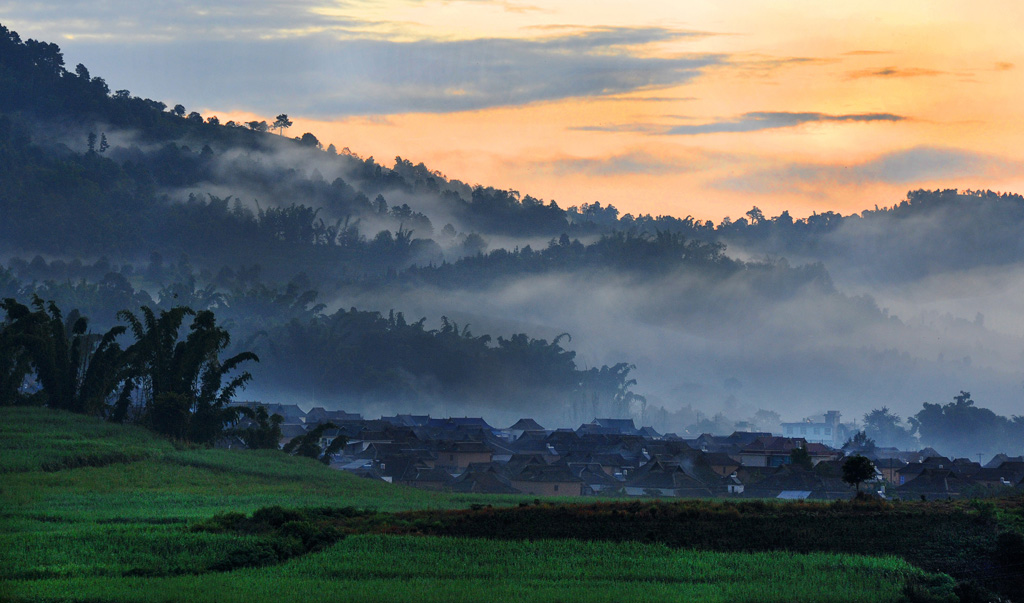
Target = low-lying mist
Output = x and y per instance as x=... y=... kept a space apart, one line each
x=744 y=342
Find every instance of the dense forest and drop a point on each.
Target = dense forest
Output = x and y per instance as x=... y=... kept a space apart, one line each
x=372 y=287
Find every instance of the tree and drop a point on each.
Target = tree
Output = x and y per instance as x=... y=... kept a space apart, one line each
x=179 y=110
x=77 y=370
x=15 y=365
x=281 y=124
x=309 y=140
x=801 y=458
x=104 y=145
x=257 y=126
x=308 y=445
x=182 y=380
x=884 y=427
x=859 y=443
x=266 y=433
x=858 y=469
x=962 y=429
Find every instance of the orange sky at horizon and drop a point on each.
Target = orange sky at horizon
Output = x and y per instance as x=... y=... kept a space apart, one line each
x=956 y=96
x=789 y=105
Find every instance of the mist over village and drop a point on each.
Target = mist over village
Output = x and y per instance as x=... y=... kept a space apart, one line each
x=323 y=300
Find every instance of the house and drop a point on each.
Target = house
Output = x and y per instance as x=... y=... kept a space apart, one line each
x=290 y=431
x=732 y=484
x=722 y=463
x=427 y=478
x=932 y=484
x=485 y=479
x=619 y=426
x=665 y=478
x=821 y=431
x=594 y=476
x=770 y=451
x=456 y=456
x=407 y=420
x=649 y=433
x=520 y=427
x=1009 y=473
x=793 y=482
x=547 y=480
x=1001 y=458
x=889 y=468
x=318 y=414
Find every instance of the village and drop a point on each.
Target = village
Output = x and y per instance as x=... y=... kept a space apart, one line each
x=613 y=457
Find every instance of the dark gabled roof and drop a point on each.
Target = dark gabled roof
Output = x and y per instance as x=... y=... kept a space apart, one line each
x=937 y=461
x=526 y=425
x=789 y=478
x=890 y=463
x=407 y=420
x=453 y=447
x=773 y=445
x=1011 y=471
x=592 y=474
x=648 y=432
x=743 y=438
x=720 y=459
x=483 y=482
x=667 y=448
x=427 y=475
x=670 y=477
x=544 y=473
x=530 y=441
x=1001 y=458
x=292 y=430
x=934 y=481
x=400 y=466
x=452 y=422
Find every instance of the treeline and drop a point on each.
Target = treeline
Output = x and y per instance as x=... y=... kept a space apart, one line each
x=640 y=254
x=172 y=382
x=351 y=355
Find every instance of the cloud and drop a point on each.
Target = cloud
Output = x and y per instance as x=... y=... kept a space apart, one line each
x=765 y=120
x=895 y=72
x=323 y=76
x=637 y=127
x=920 y=164
x=121 y=20
x=633 y=162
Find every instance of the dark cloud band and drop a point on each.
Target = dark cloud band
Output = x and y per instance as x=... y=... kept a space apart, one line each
x=764 y=120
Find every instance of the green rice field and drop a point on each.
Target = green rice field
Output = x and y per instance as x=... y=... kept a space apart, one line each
x=406 y=568
x=91 y=511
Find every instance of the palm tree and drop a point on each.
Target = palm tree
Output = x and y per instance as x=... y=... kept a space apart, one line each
x=182 y=380
x=78 y=371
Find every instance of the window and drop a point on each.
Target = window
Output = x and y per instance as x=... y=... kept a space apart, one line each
x=556 y=487
x=451 y=457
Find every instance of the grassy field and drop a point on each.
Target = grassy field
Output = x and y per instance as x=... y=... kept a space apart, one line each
x=445 y=570
x=94 y=511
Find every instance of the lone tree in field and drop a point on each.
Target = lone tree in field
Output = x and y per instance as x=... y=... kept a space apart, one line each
x=857 y=469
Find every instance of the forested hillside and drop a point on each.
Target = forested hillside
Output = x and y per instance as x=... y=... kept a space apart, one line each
x=398 y=288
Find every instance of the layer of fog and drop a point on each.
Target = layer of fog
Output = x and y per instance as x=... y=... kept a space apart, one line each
x=724 y=345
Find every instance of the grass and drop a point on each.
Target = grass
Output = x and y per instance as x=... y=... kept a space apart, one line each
x=94 y=511
x=405 y=568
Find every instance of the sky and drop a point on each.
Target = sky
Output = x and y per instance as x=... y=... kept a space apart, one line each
x=663 y=107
